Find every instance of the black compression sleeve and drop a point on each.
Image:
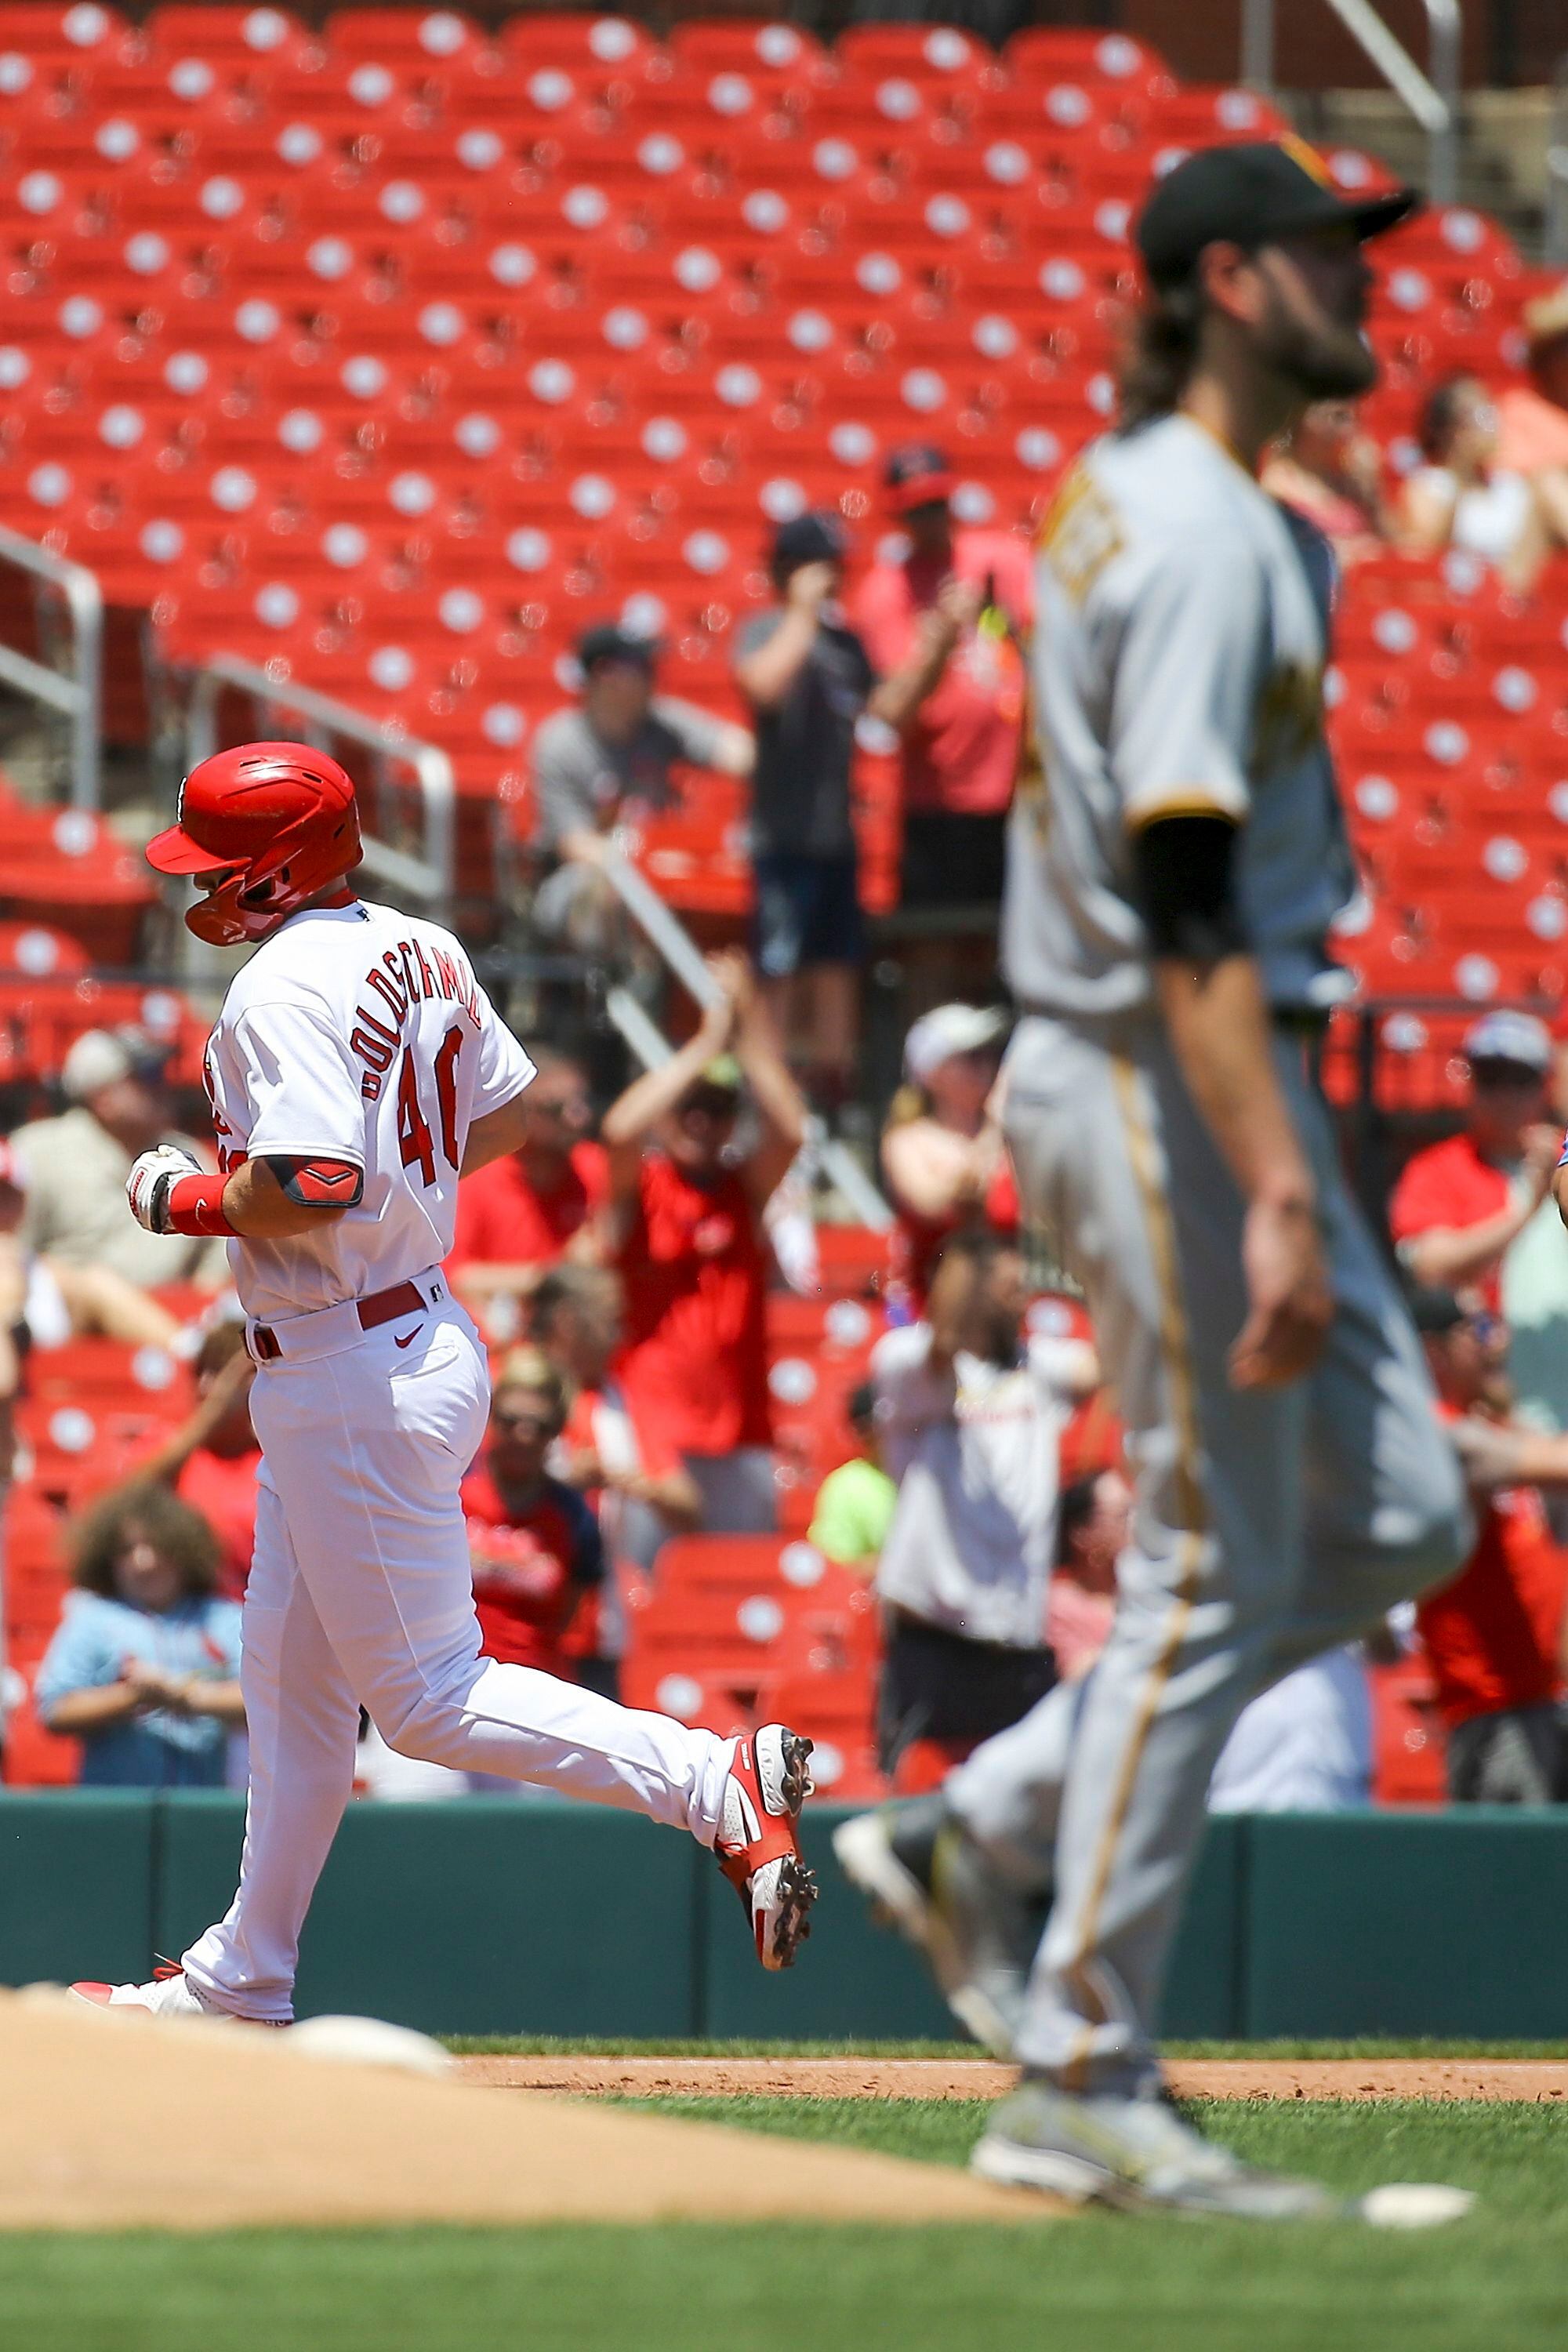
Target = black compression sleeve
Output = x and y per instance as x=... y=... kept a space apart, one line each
x=1183 y=872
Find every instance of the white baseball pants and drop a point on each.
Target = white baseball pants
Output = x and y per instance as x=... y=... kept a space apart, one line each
x=360 y=1593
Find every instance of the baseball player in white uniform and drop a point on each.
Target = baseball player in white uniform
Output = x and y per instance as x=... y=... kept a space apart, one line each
x=356 y=1068
x=1172 y=877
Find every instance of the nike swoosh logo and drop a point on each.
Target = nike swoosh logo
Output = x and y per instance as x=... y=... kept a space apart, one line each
x=408 y=1342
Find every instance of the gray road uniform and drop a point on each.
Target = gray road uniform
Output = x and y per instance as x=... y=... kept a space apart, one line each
x=1179 y=647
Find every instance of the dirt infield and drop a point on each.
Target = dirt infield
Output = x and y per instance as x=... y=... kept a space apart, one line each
x=124 y=2123
x=980 y=2078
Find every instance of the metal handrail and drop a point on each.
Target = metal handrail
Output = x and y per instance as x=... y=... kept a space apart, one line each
x=79 y=697
x=1434 y=98
x=669 y=935
x=429 y=878
x=1556 y=232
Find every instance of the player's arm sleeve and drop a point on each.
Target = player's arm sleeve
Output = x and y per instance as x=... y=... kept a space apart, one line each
x=1186 y=667
x=1185 y=881
x=317 y=1183
x=504 y=1069
x=301 y=1086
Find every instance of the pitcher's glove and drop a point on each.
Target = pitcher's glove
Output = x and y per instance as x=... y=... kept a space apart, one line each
x=152 y=1178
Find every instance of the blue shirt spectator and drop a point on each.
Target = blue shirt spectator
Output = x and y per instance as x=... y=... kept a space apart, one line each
x=144 y=1667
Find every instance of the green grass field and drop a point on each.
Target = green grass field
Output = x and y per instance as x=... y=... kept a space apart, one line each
x=1102 y=2283
x=546 y=2045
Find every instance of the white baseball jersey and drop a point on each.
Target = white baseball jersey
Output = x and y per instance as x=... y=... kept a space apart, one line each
x=1178 y=665
x=355 y=1033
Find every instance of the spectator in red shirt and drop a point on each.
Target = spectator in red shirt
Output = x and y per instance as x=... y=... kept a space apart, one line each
x=942 y=625
x=686 y=1224
x=533 y=1541
x=523 y=1213
x=1459 y=1205
x=1494 y=1636
x=944 y=1159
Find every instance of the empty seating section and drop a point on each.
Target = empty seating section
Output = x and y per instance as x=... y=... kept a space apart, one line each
x=1451 y=726
x=389 y=355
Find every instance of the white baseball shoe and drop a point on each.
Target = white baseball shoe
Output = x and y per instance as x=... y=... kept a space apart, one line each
x=1136 y=2153
x=169 y=1993
x=757 y=1849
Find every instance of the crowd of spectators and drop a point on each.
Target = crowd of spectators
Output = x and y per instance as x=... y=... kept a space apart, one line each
x=622 y=1266
x=619 y=1262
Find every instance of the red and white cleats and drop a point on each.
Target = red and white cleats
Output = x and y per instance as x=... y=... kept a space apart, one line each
x=170 y=1994
x=758 y=1851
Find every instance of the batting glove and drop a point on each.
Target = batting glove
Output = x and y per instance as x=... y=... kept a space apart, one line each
x=152 y=1178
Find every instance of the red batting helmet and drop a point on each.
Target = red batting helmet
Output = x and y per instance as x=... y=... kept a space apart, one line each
x=273 y=823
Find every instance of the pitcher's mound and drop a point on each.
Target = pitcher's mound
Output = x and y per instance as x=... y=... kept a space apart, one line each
x=118 y=2122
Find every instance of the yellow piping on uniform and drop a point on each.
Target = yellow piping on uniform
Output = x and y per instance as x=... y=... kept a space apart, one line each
x=1192 y=1518
x=1185 y=800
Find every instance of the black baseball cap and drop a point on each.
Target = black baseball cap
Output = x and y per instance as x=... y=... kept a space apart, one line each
x=606 y=643
x=815 y=538
x=1251 y=194
x=1433 y=1309
x=917 y=476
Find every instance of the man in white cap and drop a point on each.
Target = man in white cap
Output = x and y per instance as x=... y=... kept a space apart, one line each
x=944 y=1159
x=951 y=1029
x=76 y=1165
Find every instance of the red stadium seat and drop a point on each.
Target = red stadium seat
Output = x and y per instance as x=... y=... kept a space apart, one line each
x=269 y=279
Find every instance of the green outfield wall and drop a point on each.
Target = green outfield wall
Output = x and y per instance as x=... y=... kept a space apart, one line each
x=485 y=1917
